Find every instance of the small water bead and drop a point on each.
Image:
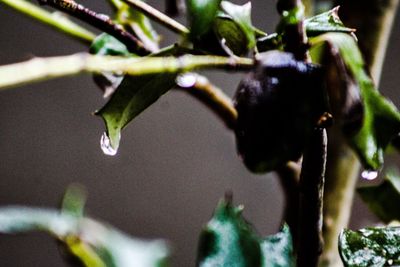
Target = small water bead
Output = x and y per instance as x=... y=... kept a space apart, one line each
x=105 y=144
x=369 y=175
x=186 y=80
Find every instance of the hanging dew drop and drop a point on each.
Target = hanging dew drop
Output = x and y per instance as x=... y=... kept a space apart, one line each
x=369 y=175
x=105 y=144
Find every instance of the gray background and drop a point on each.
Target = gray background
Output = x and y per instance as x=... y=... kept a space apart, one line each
x=175 y=162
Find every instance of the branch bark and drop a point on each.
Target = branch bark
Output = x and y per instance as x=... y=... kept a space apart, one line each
x=312 y=179
x=99 y=21
x=214 y=98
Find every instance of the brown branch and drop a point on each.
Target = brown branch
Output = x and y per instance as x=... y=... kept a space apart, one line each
x=312 y=178
x=99 y=21
x=211 y=96
x=289 y=176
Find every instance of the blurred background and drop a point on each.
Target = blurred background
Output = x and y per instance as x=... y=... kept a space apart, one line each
x=175 y=161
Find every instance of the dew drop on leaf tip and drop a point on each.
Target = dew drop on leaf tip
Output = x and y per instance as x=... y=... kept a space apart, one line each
x=105 y=144
x=369 y=174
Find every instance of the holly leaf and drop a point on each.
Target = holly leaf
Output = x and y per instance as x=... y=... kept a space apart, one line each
x=382 y=199
x=90 y=242
x=229 y=240
x=278 y=249
x=240 y=15
x=326 y=22
x=380 y=118
x=370 y=247
x=107 y=45
x=135 y=94
x=201 y=15
x=140 y=25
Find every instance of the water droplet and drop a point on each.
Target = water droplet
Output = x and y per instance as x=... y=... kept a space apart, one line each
x=186 y=80
x=369 y=174
x=105 y=144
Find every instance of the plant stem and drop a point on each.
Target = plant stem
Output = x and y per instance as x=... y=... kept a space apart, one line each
x=211 y=96
x=158 y=16
x=57 y=21
x=312 y=179
x=373 y=20
x=294 y=37
x=289 y=176
x=47 y=68
x=100 y=21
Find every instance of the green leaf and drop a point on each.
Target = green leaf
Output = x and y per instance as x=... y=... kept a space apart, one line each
x=278 y=249
x=381 y=119
x=229 y=240
x=74 y=200
x=236 y=25
x=107 y=45
x=326 y=22
x=382 y=199
x=135 y=94
x=370 y=247
x=201 y=15
x=140 y=25
x=93 y=243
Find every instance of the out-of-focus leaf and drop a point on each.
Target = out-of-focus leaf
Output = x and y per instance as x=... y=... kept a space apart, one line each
x=229 y=240
x=240 y=15
x=201 y=15
x=74 y=200
x=135 y=94
x=326 y=22
x=107 y=45
x=278 y=249
x=95 y=244
x=140 y=25
x=368 y=247
x=383 y=199
x=381 y=119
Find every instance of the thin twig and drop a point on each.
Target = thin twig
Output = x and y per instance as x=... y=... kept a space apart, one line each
x=289 y=177
x=47 y=68
x=158 y=16
x=57 y=21
x=203 y=90
x=99 y=21
x=312 y=178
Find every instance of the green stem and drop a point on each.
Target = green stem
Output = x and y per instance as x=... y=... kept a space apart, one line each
x=47 y=68
x=55 y=20
x=158 y=16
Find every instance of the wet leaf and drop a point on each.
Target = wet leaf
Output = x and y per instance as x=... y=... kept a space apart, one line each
x=278 y=249
x=107 y=45
x=93 y=243
x=382 y=199
x=326 y=22
x=229 y=240
x=381 y=119
x=135 y=94
x=370 y=247
x=201 y=15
